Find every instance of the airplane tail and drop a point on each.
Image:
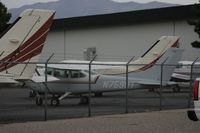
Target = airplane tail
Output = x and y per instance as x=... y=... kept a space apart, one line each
x=165 y=65
x=145 y=66
x=24 y=41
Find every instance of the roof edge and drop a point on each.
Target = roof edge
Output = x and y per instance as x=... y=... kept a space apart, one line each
x=128 y=17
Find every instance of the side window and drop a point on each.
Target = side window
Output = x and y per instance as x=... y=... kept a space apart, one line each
x=77 y=74
x=74 y=74
x=59 y=73
x=66 y=73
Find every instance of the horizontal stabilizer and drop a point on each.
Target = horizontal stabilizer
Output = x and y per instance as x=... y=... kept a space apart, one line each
x=155 y=83
x=6 y=80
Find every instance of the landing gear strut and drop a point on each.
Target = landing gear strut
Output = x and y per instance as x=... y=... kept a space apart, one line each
x=54 y=101
x=32 y=94
x=39 y=101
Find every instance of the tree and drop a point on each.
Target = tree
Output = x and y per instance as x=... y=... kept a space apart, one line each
x=196 y=23
x=4 y=16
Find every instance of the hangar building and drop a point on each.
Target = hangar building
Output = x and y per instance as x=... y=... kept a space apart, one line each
x=119 y=36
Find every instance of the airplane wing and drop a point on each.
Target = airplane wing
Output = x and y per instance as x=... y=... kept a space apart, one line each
x=180 y=77
x=84 y=65
x=41 y=79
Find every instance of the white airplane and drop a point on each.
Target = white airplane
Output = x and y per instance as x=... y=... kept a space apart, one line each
x=182 y=71
x=23 y=42
x=73 y=79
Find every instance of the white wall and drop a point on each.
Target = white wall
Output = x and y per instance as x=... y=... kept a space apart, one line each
x=54 y=44
x=118 y=42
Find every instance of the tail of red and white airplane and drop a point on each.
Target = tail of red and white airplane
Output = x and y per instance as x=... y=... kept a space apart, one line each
x=148 y=66
x=164 y=63
x=161 y=70
x=24 y=41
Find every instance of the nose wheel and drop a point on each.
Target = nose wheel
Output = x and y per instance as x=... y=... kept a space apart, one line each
x=55 y=101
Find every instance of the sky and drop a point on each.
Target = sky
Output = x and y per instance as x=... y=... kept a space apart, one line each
x=18 y=3
x=182 y=2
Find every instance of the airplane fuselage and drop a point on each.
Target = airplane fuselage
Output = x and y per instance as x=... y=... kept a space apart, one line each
x=99 y=83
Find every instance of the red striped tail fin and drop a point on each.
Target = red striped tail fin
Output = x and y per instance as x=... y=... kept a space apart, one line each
x=24 y=42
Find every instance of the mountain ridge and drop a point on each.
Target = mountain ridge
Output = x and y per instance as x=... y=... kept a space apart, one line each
x=76 y=8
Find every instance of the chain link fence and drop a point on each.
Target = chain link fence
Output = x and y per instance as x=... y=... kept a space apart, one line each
x=60 y=90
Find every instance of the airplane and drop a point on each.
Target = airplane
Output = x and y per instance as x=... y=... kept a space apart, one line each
x=182 y=71
x=22 y=43
x=72 y=77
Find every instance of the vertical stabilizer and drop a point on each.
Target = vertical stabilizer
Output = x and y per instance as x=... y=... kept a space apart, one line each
x=148 y=59
x=24 y=41
x=166 y=63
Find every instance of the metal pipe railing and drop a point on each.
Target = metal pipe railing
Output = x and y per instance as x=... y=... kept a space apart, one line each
x=89 y=105
x=126 y=105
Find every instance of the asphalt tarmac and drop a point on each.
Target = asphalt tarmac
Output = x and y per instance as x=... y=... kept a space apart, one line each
x=16 y=106
x=170 y=121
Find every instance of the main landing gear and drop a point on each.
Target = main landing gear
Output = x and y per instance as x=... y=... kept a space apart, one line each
x=39 y=101
x=54 y=101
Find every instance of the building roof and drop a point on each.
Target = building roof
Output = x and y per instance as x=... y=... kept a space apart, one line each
x=124 y=18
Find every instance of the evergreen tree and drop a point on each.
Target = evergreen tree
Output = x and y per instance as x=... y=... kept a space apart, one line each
x=196 y=23
x=4 y=16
